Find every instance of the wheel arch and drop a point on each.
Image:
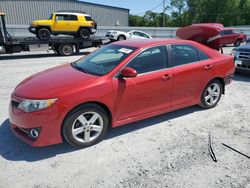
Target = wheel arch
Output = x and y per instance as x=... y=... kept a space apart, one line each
x=221 y=80
x=44 y=26
x=122 y=35
x=100 y=104
x=83 y=27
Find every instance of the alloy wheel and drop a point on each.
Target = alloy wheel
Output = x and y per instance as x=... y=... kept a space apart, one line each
x=213 y=93
x=87 y=127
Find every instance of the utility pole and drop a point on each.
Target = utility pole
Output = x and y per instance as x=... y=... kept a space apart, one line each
x=163 y=14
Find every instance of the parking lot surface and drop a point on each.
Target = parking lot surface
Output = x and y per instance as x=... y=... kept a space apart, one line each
x=170 y=150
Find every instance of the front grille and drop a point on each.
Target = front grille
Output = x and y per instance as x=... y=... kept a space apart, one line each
x=15 y=103
x=244 y=55
x=243 y=66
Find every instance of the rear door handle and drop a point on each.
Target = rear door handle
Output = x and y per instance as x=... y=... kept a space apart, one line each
x=208 y=67
x=166 y=77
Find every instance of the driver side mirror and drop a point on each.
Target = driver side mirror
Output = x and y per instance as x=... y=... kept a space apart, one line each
x=128 y=72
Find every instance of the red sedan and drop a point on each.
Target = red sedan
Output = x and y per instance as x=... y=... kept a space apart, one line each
x=118 y=84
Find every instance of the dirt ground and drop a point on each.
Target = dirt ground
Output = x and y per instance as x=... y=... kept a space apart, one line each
x=170 y=150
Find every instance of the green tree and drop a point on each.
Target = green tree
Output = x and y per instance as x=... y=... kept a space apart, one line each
x=186 y=12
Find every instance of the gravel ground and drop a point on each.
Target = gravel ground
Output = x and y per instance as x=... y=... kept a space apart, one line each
x=170 y=150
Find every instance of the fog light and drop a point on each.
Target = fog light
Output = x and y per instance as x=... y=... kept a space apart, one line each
x=34 y=133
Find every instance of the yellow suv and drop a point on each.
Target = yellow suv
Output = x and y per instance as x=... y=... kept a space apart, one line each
x=69 y=23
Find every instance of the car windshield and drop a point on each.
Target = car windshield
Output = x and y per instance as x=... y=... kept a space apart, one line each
x=103 y=60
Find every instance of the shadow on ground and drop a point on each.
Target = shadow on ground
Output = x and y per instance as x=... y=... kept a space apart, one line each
x=242 y=76
x=11 y=148
x=30 y=56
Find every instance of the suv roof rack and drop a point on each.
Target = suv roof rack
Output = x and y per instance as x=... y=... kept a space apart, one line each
x=72 y=11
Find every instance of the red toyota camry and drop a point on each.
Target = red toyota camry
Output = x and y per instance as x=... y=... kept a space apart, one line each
x=120 y=83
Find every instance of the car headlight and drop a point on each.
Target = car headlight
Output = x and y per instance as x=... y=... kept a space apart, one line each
x=28 y=105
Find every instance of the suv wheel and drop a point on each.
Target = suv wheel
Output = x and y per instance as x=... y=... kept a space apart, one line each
x=85 y=126
x=237 y=43
x=84 y=33
x=211 y=94
x=43 y=34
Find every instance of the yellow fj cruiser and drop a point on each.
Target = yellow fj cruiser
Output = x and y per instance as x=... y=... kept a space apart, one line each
x=69 y=23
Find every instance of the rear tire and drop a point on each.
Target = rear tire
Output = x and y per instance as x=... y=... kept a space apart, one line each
x=237 y=43
x=43 y=34
x=84 y=33
x=85 y=126
x=211 y=94
x=66 y=49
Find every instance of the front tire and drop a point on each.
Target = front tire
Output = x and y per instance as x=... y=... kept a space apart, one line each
x=121 y=37
x=211 y=94
x=43 y=34
x=85 y=126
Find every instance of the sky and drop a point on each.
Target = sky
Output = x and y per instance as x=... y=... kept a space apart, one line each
x=138 y=7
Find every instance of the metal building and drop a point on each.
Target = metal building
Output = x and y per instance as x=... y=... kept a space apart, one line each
x=22 y=12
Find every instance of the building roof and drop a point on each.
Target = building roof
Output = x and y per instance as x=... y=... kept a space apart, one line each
x=77 y=1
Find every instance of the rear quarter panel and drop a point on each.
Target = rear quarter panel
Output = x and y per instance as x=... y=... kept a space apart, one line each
x=83 y=23
x=224 y=66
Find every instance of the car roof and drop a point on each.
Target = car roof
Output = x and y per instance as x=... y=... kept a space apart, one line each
x=146 y=43
x=141 y=43
x=72 y=13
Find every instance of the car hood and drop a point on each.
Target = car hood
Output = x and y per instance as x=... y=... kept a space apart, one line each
x=53 y=83
x=41 y=22
x=244 y=48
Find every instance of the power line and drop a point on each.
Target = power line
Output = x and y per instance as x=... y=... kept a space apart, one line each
x=150 y=9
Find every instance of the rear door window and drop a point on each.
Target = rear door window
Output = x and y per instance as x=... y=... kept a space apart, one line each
x=182 y=54
x=72 y=18
x=66 y=17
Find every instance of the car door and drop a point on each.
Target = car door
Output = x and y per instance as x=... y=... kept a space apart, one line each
x=192 y=70
x=230 y=36
x=150 y=91
x=65 y=23
x=227 y=37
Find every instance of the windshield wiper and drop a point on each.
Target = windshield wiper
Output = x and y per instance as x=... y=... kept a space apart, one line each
x=74 y=65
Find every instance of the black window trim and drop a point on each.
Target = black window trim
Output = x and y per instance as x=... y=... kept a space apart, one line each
x=171 y=63
x=142 y=50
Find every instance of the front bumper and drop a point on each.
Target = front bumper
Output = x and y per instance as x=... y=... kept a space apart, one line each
x=242 y=66
x=92 y=30
x=48 y=122
x=32 y=30
x=228 y=79
x=112 y=37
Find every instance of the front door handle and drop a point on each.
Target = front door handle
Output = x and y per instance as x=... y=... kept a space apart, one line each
x=208 y=67
x=166 y=77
